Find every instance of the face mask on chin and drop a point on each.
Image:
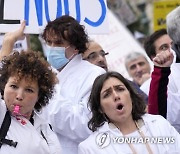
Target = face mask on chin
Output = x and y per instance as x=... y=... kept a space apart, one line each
x=56 y=56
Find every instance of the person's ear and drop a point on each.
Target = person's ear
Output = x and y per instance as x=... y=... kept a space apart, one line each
x=76 y=51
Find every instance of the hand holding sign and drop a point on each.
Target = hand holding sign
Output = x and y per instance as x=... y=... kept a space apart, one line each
x=10 y=39
x=17 y=34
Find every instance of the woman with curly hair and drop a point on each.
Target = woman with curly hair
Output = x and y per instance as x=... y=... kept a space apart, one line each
x=26 y=85
x=65 y=40
x=121 y=125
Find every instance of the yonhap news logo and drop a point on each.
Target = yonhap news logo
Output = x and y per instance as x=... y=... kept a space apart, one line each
x=103 y=139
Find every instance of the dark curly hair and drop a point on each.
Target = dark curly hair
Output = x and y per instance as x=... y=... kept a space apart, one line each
x=149 y=42
x=68 y=29
x=31 y=66
x=99 y=118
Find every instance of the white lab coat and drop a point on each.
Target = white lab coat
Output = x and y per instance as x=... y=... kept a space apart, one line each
x=173 y=93
x=146 y=86
x=156 y=125
x=173 y=100
x=68 y=111
x=29 y=138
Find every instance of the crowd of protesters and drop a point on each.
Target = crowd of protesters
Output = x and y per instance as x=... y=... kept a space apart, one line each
x=71 y=103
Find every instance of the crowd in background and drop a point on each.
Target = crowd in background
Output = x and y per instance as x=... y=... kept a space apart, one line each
x=65 y=100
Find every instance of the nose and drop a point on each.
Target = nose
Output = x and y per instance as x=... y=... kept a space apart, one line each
x=100 y=58
x=19 y=95
x=138 y=68
x=116 y=96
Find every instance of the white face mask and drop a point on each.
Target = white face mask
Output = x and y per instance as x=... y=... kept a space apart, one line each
x=56 y=56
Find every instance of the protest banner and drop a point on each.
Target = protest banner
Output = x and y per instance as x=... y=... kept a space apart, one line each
x=91 y=14
x=161 y=9
x=18 y=46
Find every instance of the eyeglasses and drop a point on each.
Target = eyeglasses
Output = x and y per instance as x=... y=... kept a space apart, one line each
x=94 y=55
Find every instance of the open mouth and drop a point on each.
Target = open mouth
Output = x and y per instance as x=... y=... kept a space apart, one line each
x=119 y=107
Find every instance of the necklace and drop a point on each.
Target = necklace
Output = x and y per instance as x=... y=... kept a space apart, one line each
x=143 y=136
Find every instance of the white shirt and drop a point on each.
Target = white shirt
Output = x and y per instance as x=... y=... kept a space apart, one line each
x=155 y=126
x=68 y=110
x=29 y=137
x=145 y=86
x=173 y=100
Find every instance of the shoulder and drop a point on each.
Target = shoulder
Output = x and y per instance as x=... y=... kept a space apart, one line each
x=2 y=104
x=91 y=139
x=152 y=117
x=2 y=110
x=89 y=71
x=155 y=119
x=159 y=126
x=145 y=86
x=39 y=121
x=89 y=144
x=91 y=67
x=101 y=132
x=79 y=66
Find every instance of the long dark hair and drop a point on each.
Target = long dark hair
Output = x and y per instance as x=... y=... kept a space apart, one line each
x=99 y=118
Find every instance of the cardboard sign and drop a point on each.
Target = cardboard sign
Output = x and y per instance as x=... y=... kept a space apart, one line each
x=90 y=13
x=161 y=9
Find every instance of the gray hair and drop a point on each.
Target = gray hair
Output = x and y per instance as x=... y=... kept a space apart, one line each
x=173 y=25
x=133 y=56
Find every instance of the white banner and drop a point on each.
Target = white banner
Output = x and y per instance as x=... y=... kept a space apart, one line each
x=18 y=46
x=90 y=13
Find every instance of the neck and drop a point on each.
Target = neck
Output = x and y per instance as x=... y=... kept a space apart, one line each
x=72 y=56
x=126 y=127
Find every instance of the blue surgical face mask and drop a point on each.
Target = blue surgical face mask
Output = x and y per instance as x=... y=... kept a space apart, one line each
x=56 y=56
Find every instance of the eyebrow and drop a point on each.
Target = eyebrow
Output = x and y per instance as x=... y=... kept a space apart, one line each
x=91 y=53
x=106 y=90
x=132 y=66
x=119 y=85
x=105 y=53
x=27 y=86
x=163 y=45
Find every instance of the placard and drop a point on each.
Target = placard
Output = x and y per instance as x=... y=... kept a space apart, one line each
x=90 y=13
x=161 y=9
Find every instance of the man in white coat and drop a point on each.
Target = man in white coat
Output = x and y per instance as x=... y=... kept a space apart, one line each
x=68 y=112
x=96 y=55
x=167 y=102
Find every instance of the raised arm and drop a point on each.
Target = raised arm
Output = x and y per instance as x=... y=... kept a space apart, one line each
x=10 y=39
x=157 y=100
